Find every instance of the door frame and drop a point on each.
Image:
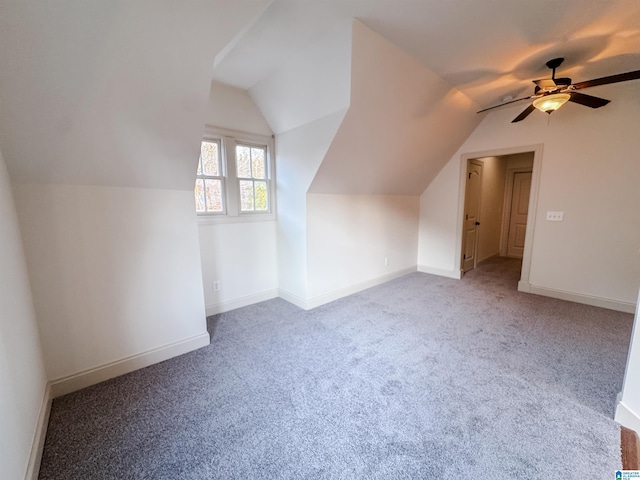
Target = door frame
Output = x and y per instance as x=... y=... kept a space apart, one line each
x=506 y=209
x=524 y=284
x=480 y=163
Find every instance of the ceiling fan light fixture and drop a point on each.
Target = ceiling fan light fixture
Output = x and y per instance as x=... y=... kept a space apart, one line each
x=551 y=103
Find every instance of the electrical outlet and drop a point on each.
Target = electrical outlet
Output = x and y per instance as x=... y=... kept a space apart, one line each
x=555 y=216
x=386 y=261
x=216 y=286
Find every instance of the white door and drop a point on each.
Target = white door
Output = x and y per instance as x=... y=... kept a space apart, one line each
x=472 y=195
x=519 y=212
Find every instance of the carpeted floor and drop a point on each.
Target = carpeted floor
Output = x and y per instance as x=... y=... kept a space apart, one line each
x=423 y=377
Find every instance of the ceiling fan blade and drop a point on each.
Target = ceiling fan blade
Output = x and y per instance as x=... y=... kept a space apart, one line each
x=588 y=100
x=524 y=114
x=620 y=77
x=503 y=104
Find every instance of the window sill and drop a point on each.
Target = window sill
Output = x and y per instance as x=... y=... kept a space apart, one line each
x=245 y=218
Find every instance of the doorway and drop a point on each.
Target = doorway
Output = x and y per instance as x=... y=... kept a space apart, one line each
x=517 y=193
x=495 y=216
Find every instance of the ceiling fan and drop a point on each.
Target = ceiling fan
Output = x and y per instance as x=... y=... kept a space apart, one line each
x=550 y=94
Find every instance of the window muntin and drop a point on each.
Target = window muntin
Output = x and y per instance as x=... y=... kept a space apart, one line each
x=235 y=178
x=251 y=171
x=209 y=187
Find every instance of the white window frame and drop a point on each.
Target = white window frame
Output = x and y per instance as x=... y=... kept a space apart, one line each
x=231 y=187
x=222 y=177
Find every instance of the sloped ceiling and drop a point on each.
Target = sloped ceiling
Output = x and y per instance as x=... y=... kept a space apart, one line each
x=488 y=49
x=403 y=124
x=110 y=93
x=404 y=121
x=115 y=92
x=310 y=85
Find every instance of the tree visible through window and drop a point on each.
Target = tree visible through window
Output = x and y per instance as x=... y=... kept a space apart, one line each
x=234 y=180
x=209 y=188
x=252 y=178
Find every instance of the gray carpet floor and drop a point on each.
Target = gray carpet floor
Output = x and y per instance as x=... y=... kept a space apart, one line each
x=423 y=377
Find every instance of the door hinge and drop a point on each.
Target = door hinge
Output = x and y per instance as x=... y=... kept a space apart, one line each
x=464 y=257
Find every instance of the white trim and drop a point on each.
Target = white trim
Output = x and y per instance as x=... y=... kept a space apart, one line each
x=37 y=446
x=228 y=140
x=241 y=302
x=77 y=381
x=216 y=219
x=524 y=287
x=293 y=298
x=314 y=302
x=625 y=416
x=467 y=175
x=238 y=134
x=442 y=272
x=618 y=305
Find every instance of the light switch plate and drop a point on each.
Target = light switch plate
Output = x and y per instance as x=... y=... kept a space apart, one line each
x=555 y=216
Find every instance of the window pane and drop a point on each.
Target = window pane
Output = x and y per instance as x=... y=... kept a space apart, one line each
x=257 y=162
x=214 y=195
x=199 y=194
x=246 y=195
x=243 y=160
x=210 y=158
x=262 y=200
x=199 y=170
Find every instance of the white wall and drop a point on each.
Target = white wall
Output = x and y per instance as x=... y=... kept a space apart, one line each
x=299 y=152
x=494 y=171
x=22 y=375
x=628 y=409
x=115 y=272
x=589 y=170
x=351 y=235
x=305 y=110
x=437 y=249
x=241 y=256
x=362 y=205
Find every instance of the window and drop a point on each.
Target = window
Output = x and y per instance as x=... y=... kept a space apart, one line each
x=252 y=175
x=234 y=177
x=208 y=190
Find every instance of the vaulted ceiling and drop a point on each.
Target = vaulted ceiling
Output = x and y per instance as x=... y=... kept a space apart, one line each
x=115 y=92
x=488 y=49
x=110 y=92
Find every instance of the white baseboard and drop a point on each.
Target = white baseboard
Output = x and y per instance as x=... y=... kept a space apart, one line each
x=293 y=298
x=442 y=272
x=577 y=297
x=37 y=446
x=524 y=287
x=71 y=383
x=309 y=303
x=241 y=302
x=627 y=417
